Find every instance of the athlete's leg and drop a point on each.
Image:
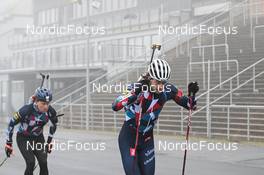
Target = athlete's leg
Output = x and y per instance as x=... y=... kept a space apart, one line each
x=147 y=156
x=41 y=156
x=125 y=140
x=27 y=153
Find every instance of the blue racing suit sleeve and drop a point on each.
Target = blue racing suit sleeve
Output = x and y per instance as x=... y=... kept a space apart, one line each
x=175 y=94
x=123 y=100
x=16 y=118
x=127 y=99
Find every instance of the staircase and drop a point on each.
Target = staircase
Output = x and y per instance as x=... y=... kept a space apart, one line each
x=170 y=121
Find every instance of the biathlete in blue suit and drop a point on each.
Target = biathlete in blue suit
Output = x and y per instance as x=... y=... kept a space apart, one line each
x=31 y=119
x=143 y=104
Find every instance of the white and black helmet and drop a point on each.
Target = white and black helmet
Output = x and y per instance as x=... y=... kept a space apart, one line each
x=159 y=70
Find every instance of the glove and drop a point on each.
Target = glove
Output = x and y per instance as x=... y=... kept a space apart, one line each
x=143 y=81
x=193 y=88
x=48 y=148
x=8 y=149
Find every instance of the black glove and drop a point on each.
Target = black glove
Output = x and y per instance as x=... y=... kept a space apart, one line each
x=143 y=83
x=8 y=149
x=144 y=79
x=48 y=148
x=193 y=88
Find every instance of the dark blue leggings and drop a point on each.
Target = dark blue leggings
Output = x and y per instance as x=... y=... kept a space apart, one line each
x=30 y=154
x=144 y=162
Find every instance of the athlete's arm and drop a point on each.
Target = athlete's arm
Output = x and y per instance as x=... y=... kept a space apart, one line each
x=124 y=100
x=176 y=95
x=53 y=123
x=16 y=118
x=129 y=98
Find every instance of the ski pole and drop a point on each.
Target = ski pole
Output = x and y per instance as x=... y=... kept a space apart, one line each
x=133 y=151
x=3 y=161
x=154 y=47
x=35 y=166
x=60 y=115
x=43 y=78
x=187 y=136
x=193 y=88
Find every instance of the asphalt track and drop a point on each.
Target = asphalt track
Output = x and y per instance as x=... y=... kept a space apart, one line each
x=248 y=159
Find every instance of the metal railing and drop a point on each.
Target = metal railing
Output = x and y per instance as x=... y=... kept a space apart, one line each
x=213 y=53
x=80 y=93
x=69 y=89
x=241 y=121
x=230 y=92
x=255 y=6
x=95 y=122
x=102 y=117
x=209 y=77
x=254 y=36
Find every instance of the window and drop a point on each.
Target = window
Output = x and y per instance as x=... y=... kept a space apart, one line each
x=147 y=43
x=56 y=15
x=39 y=18
x=138 y=46
x=68 y=55
x=108 y=5
x=114 y=4
x=43 y=19
x=104 y=5
x=48 y=15
x=63 y=58
x=129 y=3
x=135 y=3
x=84 y=7
x=53 y=16
x=122 y=4
x=79 y=10
x=18 y=91
x=131 y=43
x=122 y=47
x=77 y=54
x=68 y=11
x=74 y=10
